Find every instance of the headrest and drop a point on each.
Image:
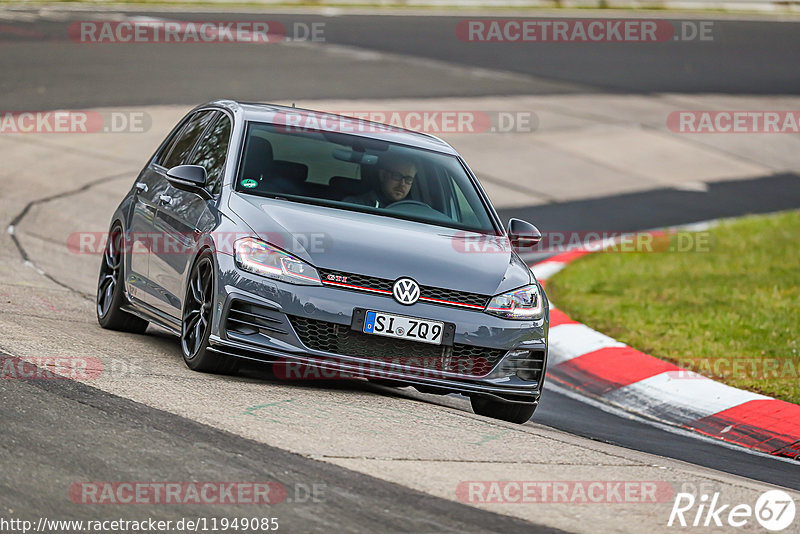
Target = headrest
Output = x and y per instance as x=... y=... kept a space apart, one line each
x=258 y=158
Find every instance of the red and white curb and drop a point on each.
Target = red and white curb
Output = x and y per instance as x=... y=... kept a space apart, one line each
x=600 y=367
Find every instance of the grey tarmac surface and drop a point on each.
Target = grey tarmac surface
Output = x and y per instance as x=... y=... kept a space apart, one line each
x=420 y=442
x=66 y=433
x=658 y=208
x=560 y=411
x=375 y=57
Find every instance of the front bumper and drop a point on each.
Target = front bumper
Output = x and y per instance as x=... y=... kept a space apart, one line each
x=257 y=319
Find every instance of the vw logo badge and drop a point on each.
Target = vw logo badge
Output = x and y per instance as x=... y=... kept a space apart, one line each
x=406 y=291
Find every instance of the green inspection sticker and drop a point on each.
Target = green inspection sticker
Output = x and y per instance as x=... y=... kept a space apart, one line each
x=249 y=183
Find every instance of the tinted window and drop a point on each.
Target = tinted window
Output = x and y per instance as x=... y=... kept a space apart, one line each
x=185 y=140
x=167 y=148
x=212 y=150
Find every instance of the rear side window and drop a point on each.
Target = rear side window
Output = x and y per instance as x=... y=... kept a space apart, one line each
x=185 y=139
x=212 y=150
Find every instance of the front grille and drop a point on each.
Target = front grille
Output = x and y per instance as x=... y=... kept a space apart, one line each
x=458 y=297
x=441 y=296
x=463 y=360
x=370 y=282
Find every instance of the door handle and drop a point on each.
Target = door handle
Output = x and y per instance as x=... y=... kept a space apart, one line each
x=165 y=199
x=142 y=187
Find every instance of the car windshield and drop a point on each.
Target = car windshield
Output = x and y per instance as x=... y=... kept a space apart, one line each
x=360 y=174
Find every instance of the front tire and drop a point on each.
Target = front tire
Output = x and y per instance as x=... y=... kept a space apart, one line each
x=198 y=307
x=506 y=411
x=110 y=294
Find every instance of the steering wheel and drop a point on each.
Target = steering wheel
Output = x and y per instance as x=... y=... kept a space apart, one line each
x=415 y=207
x=408 y=203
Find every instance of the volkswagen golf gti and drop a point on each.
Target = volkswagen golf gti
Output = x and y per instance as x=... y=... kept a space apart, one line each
x=322 y=242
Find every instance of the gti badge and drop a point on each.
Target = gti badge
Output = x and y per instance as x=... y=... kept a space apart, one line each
x=405 y=291
x=336 y=278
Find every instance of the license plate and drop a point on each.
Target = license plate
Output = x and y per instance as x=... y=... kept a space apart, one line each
x=402 y=327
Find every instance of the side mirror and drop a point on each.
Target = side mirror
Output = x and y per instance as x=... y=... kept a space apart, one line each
x=188 y=177
x=523 y=235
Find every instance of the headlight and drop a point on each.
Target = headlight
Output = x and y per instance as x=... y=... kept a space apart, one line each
x=522 y=303
x=256 y=256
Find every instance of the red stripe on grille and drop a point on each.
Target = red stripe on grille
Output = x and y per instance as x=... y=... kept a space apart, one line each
x=349 y=286
x=452 y=303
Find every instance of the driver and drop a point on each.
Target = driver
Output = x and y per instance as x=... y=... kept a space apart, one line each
x=396 y=175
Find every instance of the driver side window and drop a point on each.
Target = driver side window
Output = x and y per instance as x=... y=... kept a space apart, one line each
x=184 y=141
x=212 y=151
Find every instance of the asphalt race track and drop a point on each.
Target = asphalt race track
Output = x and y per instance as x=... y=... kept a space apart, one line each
x=741 y=60
x=164 y=444
x=66 y=431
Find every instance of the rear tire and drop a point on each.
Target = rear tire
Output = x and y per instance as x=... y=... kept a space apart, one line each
x=506 y=411
x=110 y=293
x=198 y=306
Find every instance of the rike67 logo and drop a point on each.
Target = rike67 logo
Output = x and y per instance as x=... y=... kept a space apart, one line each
x=774 y=510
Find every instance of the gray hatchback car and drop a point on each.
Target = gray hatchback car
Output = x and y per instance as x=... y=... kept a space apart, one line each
x=331 y=247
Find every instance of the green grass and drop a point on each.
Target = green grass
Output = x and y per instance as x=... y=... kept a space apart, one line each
x=731 y=313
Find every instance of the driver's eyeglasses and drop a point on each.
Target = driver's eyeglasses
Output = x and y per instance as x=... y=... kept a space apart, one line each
x=396 y=176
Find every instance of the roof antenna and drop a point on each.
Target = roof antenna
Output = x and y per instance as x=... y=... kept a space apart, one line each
x=292 y=104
